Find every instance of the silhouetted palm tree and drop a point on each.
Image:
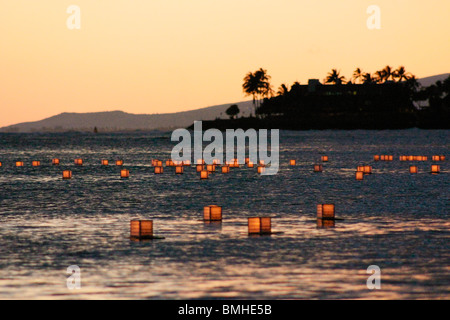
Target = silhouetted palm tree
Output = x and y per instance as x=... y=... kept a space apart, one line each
x=257 y=85
x=334 y=77
x=380 y=76
x=357 y=75
x=400 y=74
x=367 y=78
x=283 y=90
x=388 y=73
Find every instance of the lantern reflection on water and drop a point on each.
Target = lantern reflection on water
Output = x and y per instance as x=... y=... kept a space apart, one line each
x=325 y=211
x=212 y=213
x=259 y=225
x=326 y=223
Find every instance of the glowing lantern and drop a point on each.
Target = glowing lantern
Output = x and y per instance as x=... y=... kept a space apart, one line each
x=225 y=169
x=292 y=162
x=326 y=223
x=105 y=162
x=325 y=211
x=203 y=174
x=250 y=164
x=19 y=164
x=261 y=163
x=360 y=168
x=159 y=163
x=55 y=162
x=179 y=169
x=79 y=162
x=0 y=164
x=200 y=161
x=390 y=158
x=119 y=163
x=67 y=174
x=318 y=168
x=403 y=158
x=413 y=169
x=169 y=163
x=376 y=158
x=435 y=158
x=141 y=229
x=36 y=163
x=200 y=167
x=261 y=169
x=324 y=158
x=159 y=170
x=216 y=162
x=441 y=158
x=212 y=213
x=247 y=160
x=211 y=168
x=186 y=163
x=124 y=173
x=259 y=225
x=383 y=158
x=359 y=175
x=367 y=170
x=435 y=168
x=424 y=158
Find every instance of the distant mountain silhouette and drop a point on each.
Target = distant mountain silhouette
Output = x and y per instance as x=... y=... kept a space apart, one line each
x=122 y=121
x=428 y=81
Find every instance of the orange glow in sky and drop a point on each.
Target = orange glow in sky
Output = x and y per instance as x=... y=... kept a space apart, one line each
x=159 y=56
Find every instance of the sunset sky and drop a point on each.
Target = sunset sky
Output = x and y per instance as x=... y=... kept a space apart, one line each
x=146 y=56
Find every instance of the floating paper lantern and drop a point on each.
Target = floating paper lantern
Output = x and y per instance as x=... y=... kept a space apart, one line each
x=360 y=168
x=262 y=163
x=324 y=158
x=216 y=162
x=211 y=168
x=247 y=160
x=159 y=170
x=200 y=161
x=55 y=162
x=179 y=169
x=0 y=164
x=382 y=157
x=359 y=175
x=67 y=174
x=119 y=163
x=413 y=169
x=141 y=229
x=259 y=225
x=124 y=173
x=19 y=164
x=105 y=162
x=325 y=211
x=250 y=164
x=435 y=168
x=292 y=162
x=212 y=213
x=200 y=167
x=390 y=158
x=318 y=168
x=204 y=174
x=261 y=169
x=403 y=158
x=186 y=163
x=79 y=162
x=169 y=163
x=435 y=158
x=376 y=158
x=225 y=169
x=424 y=158
x=36 y=163
x=441 y=158
x=326 y=223
x=367 y=169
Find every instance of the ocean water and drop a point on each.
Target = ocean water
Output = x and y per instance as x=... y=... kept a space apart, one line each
x=393 y=219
